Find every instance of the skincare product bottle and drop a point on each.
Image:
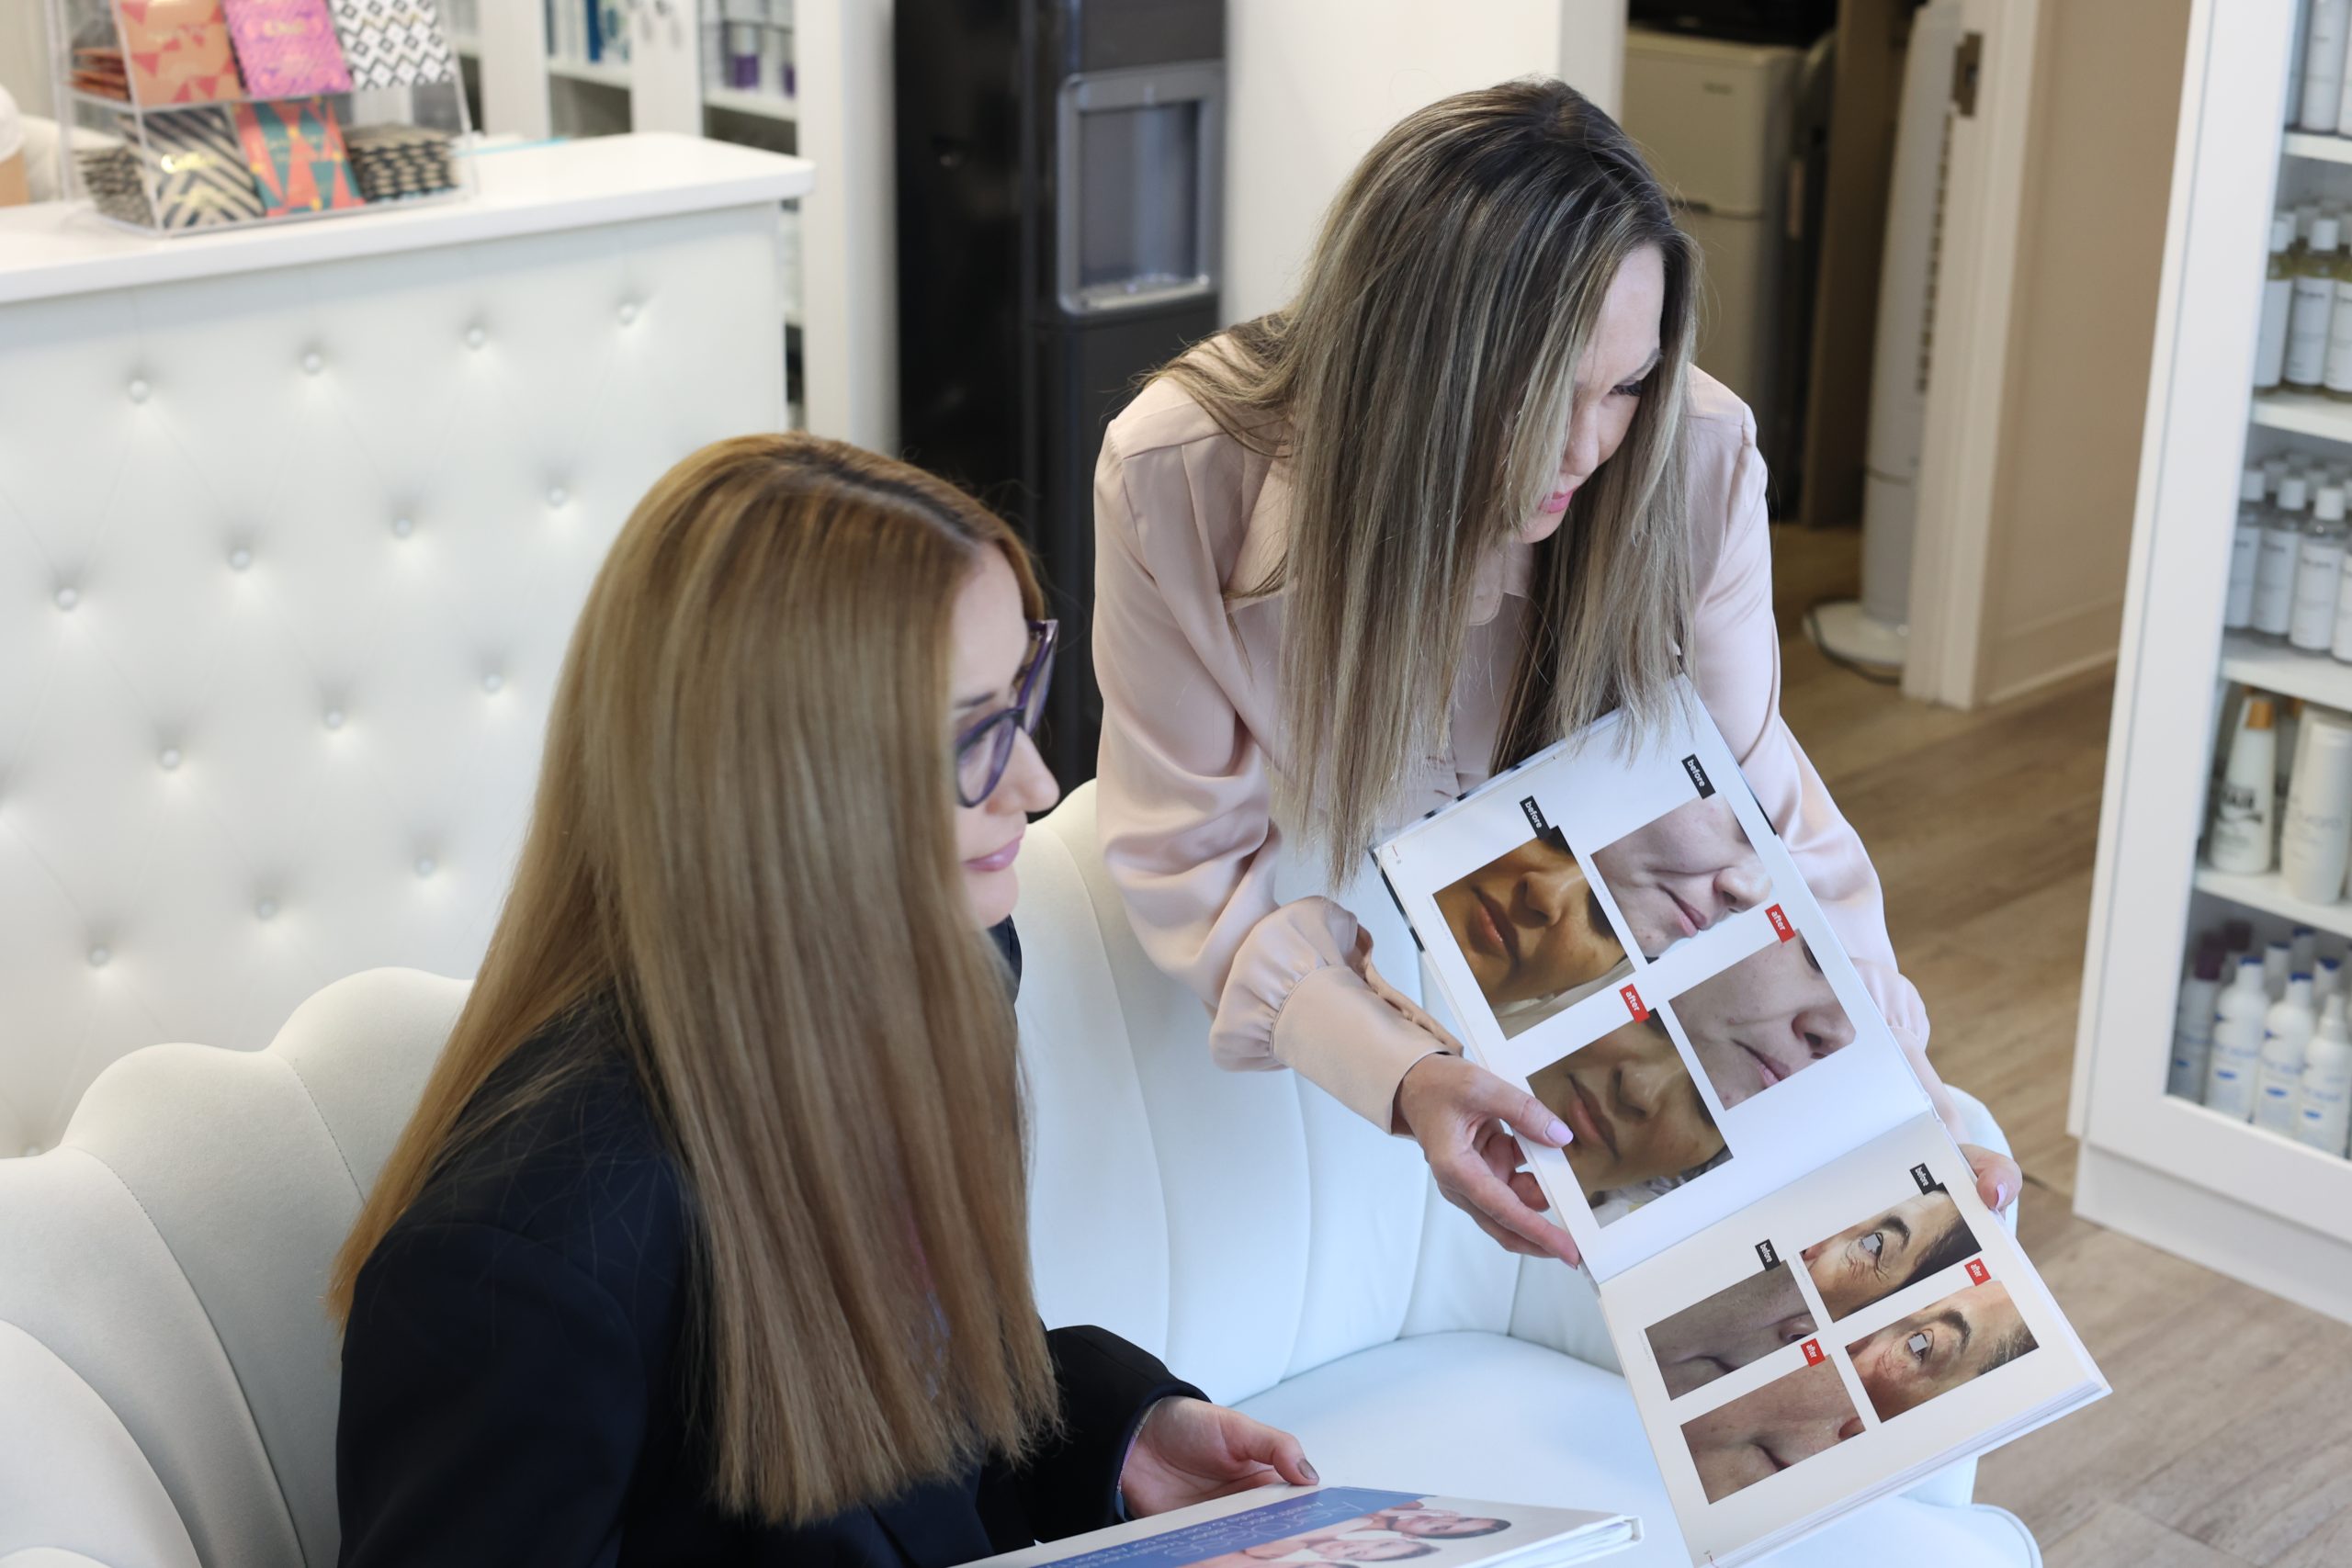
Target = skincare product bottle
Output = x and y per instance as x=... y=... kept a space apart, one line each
x=2246 y=550
x=2302 y=949
x=2192 y=1029
x=2237 y=1043
x=2319 y=568
x=2315 y=833
x=2336 y=379
x=2327 y=980
x=2278 y=293
x=2241 y=836
x=2278 y=963
x=2286 y=726
x=2278 y=1070
x=2274 y=569
x=2323 y=67
x=2311 y=308
x=2323 y=1106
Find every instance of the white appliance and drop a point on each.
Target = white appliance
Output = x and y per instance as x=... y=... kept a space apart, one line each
x=1876 y=630
x=1717 y=119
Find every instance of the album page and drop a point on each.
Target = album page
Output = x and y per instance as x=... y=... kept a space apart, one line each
x=1842 y=1340
x=1619 y=930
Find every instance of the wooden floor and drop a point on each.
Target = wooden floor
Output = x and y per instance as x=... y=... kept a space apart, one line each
x=2228 y=1440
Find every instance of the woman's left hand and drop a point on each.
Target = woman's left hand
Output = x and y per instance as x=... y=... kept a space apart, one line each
x=1189 y=1451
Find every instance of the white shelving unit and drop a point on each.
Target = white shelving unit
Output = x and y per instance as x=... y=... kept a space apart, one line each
x=2227 y=1194
x=845 y=317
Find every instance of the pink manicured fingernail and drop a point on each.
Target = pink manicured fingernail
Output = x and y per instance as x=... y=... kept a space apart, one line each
x=1308 y=1471
x=2001 y=1193
x=1558 y=1132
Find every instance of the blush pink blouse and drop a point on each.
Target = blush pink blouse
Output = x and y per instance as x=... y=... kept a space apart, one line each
x=1182 y=512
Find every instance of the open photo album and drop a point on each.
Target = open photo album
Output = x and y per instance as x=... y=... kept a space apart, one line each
x=1812 y=1306
x=1333 y=1527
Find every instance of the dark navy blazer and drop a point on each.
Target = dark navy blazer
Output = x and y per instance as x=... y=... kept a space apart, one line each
x=515 y=1390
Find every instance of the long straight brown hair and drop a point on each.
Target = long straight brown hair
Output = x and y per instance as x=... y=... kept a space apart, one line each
x=744 y=837
x=1419 y=388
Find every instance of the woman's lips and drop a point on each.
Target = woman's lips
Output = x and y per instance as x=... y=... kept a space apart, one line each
x=1493 y=926
x=1557 y=502
x=1691 y=924
x=1587 y=1121
x=1768 y=1071
x=997 y=859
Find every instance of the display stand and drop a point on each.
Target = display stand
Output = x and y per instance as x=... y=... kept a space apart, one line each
x=2251 y=1202
x=206 y=115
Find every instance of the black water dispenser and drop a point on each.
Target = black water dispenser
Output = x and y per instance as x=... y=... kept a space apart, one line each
x=1061 y=189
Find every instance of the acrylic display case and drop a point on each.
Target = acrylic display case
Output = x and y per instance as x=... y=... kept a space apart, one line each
x=196 y=116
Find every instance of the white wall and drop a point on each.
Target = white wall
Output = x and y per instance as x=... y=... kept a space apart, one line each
x=1314 y=83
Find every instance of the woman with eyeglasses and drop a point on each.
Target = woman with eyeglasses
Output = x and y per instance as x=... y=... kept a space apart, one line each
x=707 y=1242
x=1463 y=495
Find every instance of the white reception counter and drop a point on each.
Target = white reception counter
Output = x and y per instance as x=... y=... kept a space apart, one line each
x=293 y=526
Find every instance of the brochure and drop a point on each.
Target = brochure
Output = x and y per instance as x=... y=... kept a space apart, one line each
x=1812 y=1306
x=1330 y=1527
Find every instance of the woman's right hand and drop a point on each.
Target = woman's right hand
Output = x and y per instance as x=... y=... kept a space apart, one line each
x=1464 y=1116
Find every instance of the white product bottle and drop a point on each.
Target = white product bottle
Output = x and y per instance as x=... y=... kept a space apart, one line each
x=2241 y=836
x=2327 y=980
x=2323 y=1106
x=2312 y=308
x=2237 y=1042
x=2246 y=551
x=2323 y=102
x=2277 y=296
x=2274 y=569
x=2278 y=963
x=2316 y=832
x=2302 y=952
x=2319 y=568
x=2278 y=1070
x=2192 y=1028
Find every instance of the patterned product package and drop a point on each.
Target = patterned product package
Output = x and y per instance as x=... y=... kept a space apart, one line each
x=288 y=48
x=395 y=160
x=196 y=177
x=178 y=51
x=295 y=151
x=394 y=43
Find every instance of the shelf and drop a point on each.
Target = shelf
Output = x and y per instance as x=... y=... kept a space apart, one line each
x=2305 y=413
x=604 y=75
x=2269 y=893
x=767 y=106
x=2319 y=145
x=2289 y=671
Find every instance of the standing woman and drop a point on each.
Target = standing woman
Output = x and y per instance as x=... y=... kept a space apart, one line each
x=1463 y=495
x=707 y=1242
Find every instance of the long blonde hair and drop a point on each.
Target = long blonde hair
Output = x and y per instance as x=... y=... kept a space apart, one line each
x=1419 y=388
x=744 y=836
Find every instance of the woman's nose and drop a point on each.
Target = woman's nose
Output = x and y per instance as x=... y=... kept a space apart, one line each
x=1743 y=885
x=1825 y=1028
x=1028 y=784
x=1548 y=895
x=1583 y=454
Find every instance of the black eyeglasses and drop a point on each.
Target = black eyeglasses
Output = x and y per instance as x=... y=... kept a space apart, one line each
x=983 y=751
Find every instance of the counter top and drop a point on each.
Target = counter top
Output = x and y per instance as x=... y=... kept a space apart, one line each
x=63 y=248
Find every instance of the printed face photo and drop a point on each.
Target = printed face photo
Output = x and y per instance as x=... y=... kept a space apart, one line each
x=1869 y=1263
x=1762 y=1433
x=1682 y=874
x=1406 y=1532
x=1639 y=1120
x=1938 y=1349
x=1723 y=1332
x=1532 y=932
x=1767 y=1017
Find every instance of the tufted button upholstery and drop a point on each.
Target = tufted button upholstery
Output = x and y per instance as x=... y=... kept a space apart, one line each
x=231 y=553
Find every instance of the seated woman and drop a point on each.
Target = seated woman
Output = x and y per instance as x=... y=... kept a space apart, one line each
x=707 y=1242
x=1642 y=1128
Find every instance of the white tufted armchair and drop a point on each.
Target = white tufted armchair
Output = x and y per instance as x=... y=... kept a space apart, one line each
x=167 y=1385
